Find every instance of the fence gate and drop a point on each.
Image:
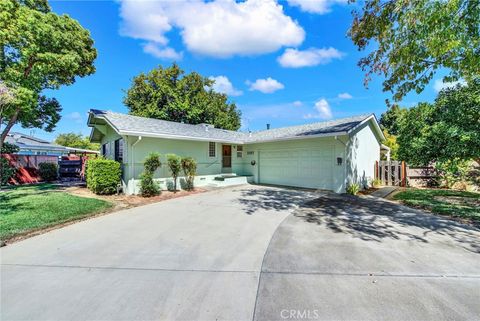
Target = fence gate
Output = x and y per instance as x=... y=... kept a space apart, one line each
x=391 y=172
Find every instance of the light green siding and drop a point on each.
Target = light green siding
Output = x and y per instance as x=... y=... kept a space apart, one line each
x=362 y=151
x=302 y=162
x=309 y=162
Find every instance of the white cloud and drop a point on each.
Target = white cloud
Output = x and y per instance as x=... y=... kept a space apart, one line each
x=322 y=110
x=294 y=58
x=266 y=86
x=439 y=84
x=164 y=53
x=76 y=117
x=315 y=6
x=224 y=85
x=297 y=103
x=220 y=28
x=345 y=96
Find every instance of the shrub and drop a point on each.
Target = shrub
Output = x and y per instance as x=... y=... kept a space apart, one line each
x=48 y=171
x=376 y=183
x=7 y=171
x=452 y=171
x=8 y=148
x=353 y=189
x=148 y=187
x=175 y=165
x=189 y=166
x=103 y=175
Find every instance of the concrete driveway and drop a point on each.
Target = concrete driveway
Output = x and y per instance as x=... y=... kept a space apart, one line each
x=247 y=253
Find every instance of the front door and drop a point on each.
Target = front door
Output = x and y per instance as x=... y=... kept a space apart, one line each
x=226 y=156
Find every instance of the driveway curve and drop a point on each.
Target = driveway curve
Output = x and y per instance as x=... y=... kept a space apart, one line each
x=248 y=253
x=341 y=257
x=192 y=258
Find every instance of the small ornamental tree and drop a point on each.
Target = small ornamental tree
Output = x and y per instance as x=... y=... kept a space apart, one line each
x=189 y=166
x=175 y=165
x=148 y=187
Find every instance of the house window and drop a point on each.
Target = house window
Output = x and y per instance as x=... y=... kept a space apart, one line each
x=119 y=150
x=212 y=149
x=104 y=149
x=239 y=151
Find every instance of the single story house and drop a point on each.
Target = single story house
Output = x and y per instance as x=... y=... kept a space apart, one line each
x=324 y=155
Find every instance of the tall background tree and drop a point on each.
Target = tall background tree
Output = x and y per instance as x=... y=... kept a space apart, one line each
x=412 y=39
x=445 y=131
x=39 y=50
x=76 y=141
x=170 y=94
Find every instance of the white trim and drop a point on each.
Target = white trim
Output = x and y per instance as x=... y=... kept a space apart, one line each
x=179 y=137
x=296 y=138
x=377 y=126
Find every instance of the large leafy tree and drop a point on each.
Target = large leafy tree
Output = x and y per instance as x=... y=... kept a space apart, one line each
x=39 y=50
x=448 y=129
x=390 y=120
x=409 y=40
x=76 y=141
x=170 y=94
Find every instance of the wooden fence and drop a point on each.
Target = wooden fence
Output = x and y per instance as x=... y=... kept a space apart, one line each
x=391 y=173
x=397 y=173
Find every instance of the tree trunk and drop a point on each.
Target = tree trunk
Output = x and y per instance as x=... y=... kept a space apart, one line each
x=3 y=136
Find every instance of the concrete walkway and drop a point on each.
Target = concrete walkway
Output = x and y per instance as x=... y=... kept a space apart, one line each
x=384 y=191
x=248 y=253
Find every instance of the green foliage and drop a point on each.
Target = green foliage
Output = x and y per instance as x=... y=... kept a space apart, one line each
x=376 y=183
x=48 y=171
x=170 y=94
x=8 y=148
x=76 y=141
x=391 y=142
x=174 y=163
x=452 y=171
x=445 y=130
x=353 y=188
x=7 y=171
x=390 y=120
x=103 y=175
x=189 y=166
x=152 y=162
x=148 y=187
x=39 y=50
x=410 y=40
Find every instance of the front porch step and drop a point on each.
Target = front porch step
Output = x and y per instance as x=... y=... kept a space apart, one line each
x=231 y=179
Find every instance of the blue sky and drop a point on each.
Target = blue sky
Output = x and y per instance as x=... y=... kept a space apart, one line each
x=283 y=63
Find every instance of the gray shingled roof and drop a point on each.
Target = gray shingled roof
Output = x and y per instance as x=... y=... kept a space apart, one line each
x=128 y=124
x=26 y=141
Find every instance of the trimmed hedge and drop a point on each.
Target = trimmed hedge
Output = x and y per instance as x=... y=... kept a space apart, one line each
x=48 y=171
x=103 y=175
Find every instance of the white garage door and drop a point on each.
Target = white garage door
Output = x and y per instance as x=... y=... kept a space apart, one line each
x=311 y=168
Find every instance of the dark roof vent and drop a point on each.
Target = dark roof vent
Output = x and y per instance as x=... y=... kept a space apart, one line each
x=268 y=126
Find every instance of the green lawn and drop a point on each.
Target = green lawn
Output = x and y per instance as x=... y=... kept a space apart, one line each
x=27 y=208
x=445 y=202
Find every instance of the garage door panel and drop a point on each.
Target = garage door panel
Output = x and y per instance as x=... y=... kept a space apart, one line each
x=300 y=167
